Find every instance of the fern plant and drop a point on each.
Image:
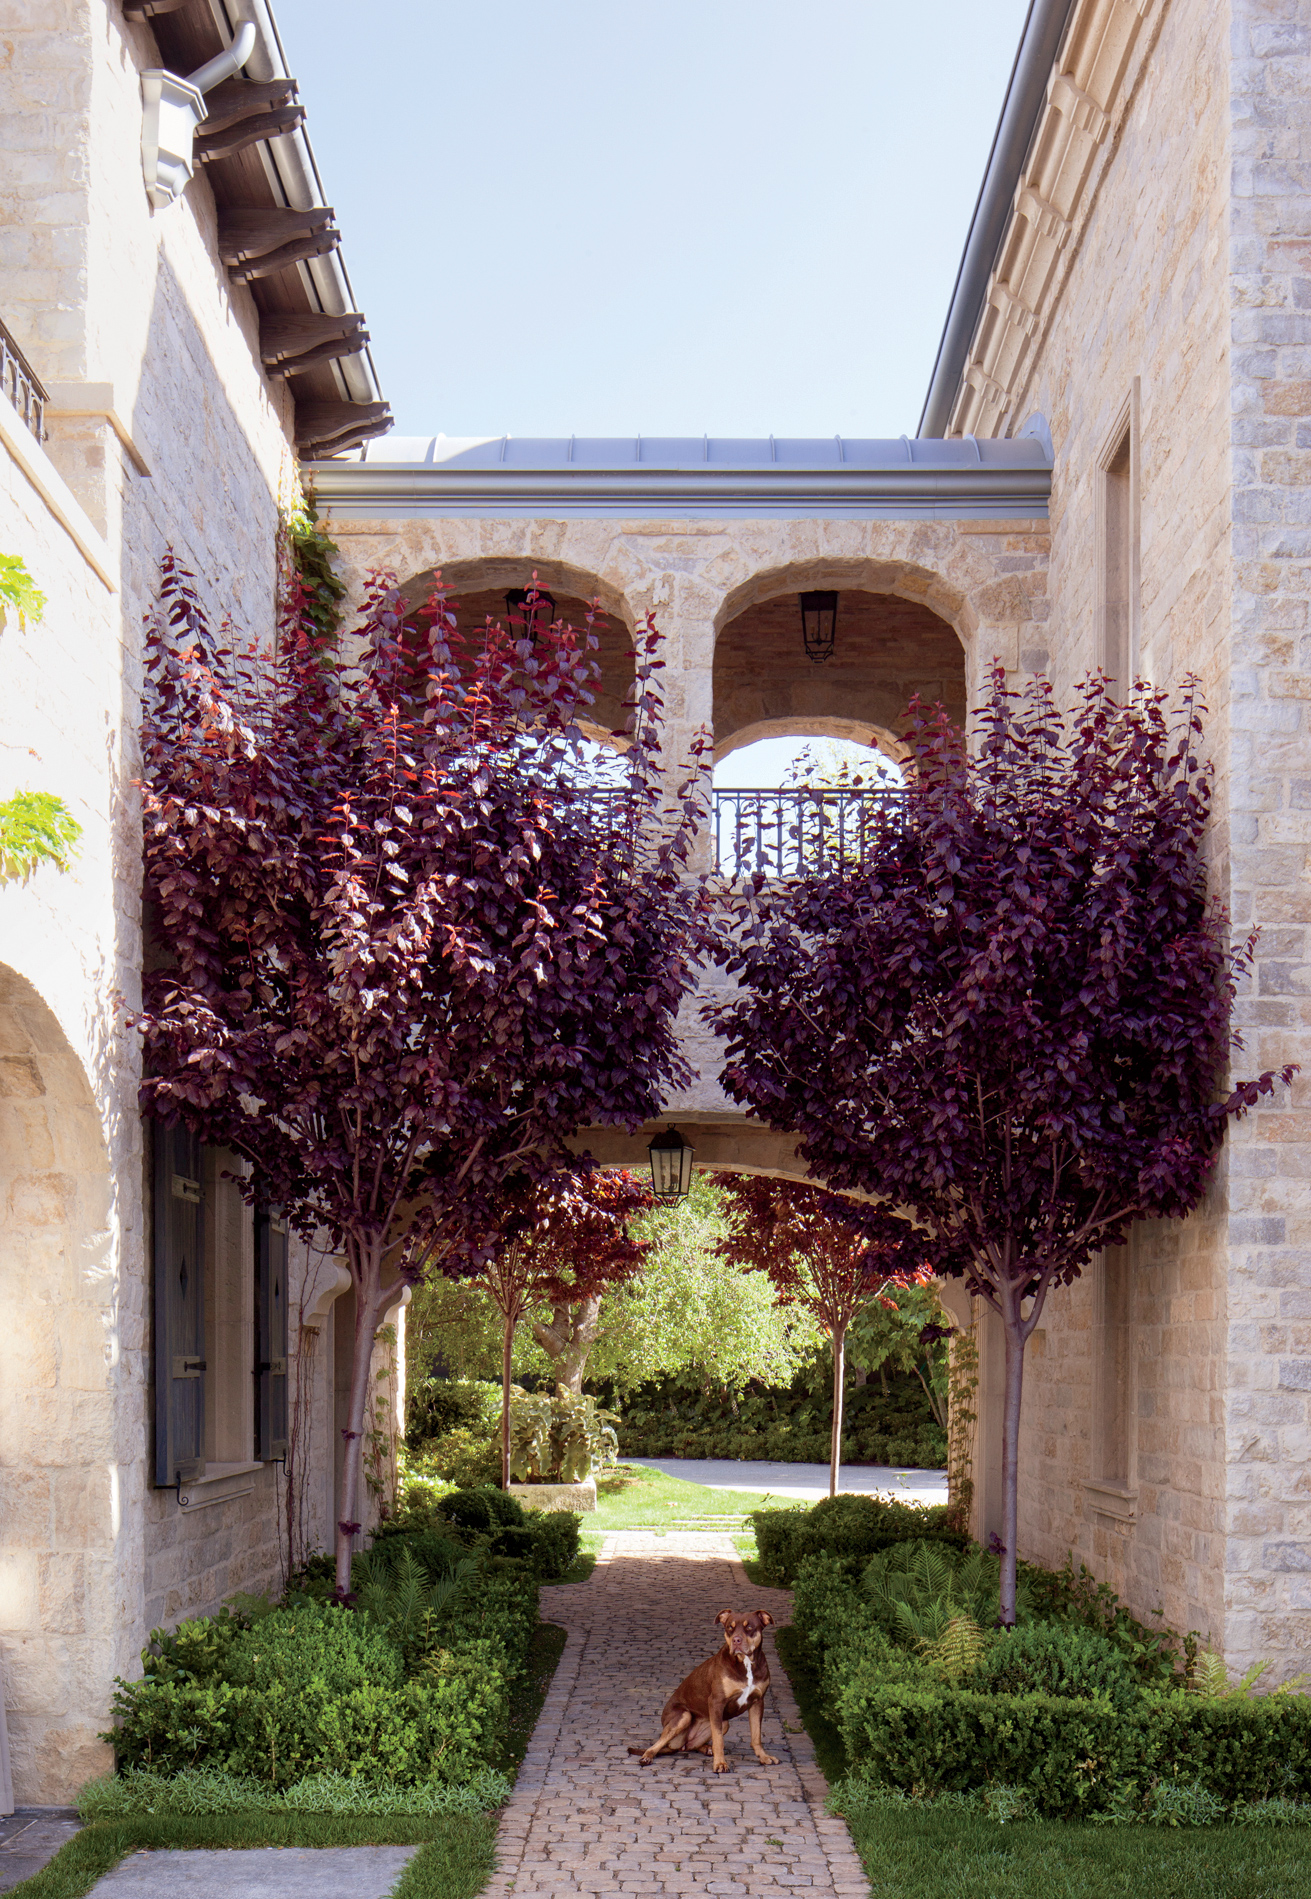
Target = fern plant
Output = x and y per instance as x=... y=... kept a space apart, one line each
x=393 y=1586
x=1209 y=1677
x=916 y=1589
x=958 y=1650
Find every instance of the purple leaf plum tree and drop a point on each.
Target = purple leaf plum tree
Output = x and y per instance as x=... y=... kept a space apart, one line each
x=404 y=954
x=1014 y=1020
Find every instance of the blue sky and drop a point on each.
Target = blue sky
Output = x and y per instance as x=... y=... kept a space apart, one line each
x=605 y=217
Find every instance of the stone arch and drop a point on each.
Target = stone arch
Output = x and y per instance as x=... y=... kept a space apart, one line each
x=479 y=588
x=906 y=579
x=60 y=1507
x=890 y=647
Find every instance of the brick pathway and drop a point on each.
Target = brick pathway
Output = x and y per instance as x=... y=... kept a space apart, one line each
x=586 y=1819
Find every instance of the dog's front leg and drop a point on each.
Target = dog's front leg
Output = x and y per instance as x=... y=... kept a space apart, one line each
x=756 y=1713
x=680 y=1723
x=717 y=1736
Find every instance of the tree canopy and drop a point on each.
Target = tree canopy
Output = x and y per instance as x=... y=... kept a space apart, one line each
x=397 y=935
x=1013 y=1020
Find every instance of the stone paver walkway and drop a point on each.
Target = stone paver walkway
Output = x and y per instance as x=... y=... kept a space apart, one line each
x=31 y=1837
x=259 y=1872
x=586 y=1820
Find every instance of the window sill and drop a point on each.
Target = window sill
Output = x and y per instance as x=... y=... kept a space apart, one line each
x=221 y=1483
x=1112 y=1500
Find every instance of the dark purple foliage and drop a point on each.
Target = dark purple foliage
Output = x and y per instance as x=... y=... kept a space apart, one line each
x=407 y=957
x=1014 y=1021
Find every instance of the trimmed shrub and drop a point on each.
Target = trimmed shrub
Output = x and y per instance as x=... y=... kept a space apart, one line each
x=1068 y=1756
x=1047 y=1658
x=555 y=1542
x=852 y=1528
x=486 y=1508
x=309 y=1690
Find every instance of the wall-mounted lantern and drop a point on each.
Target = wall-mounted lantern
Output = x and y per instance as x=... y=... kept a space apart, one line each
x=819 y=621
x=530 y=612
x=671 y=1166
x=173 y=108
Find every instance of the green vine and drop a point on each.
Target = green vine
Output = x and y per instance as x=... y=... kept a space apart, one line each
x=35 y=828
x=19 y=591
x=963 y=1382
x=312 y=549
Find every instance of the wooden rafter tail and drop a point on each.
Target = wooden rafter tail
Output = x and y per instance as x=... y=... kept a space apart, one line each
x=325 y=353
x=283 y=337
x=328 y=428
x=237 y=99
x=296 y=253
x=247 y=132
x=256 y=231
x=150 y=9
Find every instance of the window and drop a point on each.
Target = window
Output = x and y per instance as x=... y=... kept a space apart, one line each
x=270 y=1336
x=179 y=1306
x=1112 y=1447
x=1118 y=547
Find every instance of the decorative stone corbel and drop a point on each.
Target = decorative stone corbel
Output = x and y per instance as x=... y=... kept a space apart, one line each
x=173 y=108
x=339 y=1283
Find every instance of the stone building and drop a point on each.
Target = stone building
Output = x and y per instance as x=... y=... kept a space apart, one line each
x=1111 y=470
x=148 y=402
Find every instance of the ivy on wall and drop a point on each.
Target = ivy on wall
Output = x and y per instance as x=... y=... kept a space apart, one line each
x=36 y=827
x=311 y=549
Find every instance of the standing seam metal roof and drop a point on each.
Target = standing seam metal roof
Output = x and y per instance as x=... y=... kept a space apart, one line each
x=693 y=452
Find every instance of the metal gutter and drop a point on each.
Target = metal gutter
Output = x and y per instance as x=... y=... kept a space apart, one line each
x=378 y=491
x=1040 y=42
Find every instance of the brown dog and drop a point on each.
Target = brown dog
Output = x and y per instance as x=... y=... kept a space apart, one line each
x=734 y=1678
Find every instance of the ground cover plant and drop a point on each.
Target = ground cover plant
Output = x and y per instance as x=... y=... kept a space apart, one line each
x=1013 y=1020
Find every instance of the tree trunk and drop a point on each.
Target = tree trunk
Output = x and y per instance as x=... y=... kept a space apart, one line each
x=568 y=1340
x=839 y=1369
x=1010 y=1451
x=507 y=1353
x=366 y=1263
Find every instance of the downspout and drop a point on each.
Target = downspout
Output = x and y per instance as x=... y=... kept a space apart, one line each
x=1040 y=42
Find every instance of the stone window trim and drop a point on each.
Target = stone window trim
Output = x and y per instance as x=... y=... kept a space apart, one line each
x=1119 y=543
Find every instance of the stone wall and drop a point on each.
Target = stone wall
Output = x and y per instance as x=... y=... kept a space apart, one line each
x=100 y=291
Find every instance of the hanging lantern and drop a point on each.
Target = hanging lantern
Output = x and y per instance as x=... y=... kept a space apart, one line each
x=671 y=1166
x=819 y=620
x=530 y=612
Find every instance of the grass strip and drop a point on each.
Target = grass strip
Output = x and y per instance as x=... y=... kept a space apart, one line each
x=798 y=1659
x=581 y=1567
x=525 y=1706
x=455 y=1861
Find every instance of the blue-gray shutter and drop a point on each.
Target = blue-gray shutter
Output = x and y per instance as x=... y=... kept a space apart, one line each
x=179 y=1214
x=270 y=1336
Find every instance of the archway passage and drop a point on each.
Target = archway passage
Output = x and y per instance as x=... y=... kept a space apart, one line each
x=59 y=1476
x=475 y=597
x=886 y=650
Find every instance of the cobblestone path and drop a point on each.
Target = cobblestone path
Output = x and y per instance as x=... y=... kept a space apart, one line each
x=586 y=1819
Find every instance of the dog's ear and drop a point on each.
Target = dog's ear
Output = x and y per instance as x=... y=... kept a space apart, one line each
x=724 y=1616
x=763 y=1615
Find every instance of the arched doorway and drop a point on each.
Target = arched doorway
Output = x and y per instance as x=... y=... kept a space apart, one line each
x=60 y=1502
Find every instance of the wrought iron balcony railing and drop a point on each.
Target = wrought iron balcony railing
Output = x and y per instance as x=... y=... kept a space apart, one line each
x=796 y=831
x=22 y=385
x=790 y=832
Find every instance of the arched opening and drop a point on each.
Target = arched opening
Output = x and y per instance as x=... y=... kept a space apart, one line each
x=60 y=1504
x=479 y=590
x=886 y=651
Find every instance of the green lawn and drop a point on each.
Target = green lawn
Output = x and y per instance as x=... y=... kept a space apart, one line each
x=913 y=1852
x=631 y=1497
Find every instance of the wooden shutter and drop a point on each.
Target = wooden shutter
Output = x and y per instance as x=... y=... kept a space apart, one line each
x=270 y=1336
x=179 y=1307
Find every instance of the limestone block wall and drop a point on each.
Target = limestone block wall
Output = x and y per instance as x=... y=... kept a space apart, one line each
x=1138 y=335
x=99 y=289
x=1268 y=1336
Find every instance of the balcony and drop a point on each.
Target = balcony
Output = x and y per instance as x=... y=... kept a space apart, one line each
x=798 y=832
x=22 y=385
